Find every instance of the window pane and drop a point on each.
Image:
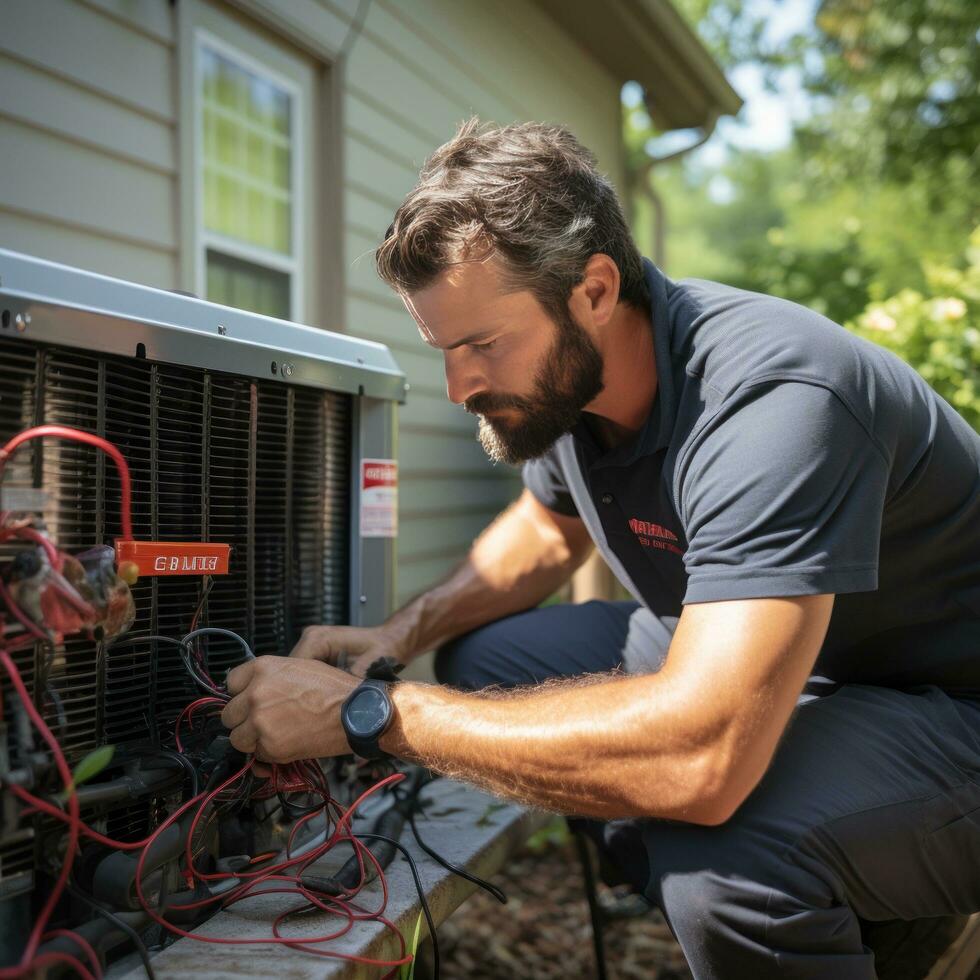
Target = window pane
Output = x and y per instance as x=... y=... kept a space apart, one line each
x=247 y=286
x=247 y=155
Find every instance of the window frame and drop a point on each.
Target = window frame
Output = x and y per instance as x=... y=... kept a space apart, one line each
x=294 y=265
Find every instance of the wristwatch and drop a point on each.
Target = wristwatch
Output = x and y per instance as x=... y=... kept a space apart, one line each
x=366 y=715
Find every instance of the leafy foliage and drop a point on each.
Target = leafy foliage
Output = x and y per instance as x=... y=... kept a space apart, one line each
x=899 y=78
x=937 y=331
x=88 y=768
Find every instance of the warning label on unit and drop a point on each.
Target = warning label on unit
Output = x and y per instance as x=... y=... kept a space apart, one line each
x=379 y=498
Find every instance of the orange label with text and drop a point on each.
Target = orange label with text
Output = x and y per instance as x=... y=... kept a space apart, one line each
x=174 y=557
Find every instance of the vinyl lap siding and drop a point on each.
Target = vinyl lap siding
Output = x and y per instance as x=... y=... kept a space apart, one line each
x=88 y=122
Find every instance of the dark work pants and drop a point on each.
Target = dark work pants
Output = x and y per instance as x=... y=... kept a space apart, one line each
x=870 y=809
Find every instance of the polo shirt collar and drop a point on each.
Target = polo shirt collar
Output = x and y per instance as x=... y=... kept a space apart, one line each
x=657 y=437
x=656 y=431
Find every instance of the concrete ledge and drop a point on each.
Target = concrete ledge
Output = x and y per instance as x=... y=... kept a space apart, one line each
x=469 y=828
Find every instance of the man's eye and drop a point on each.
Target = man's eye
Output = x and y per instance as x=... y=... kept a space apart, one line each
x=486 y=346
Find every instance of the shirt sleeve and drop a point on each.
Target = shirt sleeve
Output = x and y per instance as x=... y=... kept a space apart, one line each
x=544 y=478
x=782 y=494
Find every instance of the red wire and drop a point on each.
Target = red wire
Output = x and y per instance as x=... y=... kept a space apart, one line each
x=46 y=543
x=52 y=811
x=188 y=713
x=307 y=942
x=74 y=825
x=90 y=439
x=253 y=883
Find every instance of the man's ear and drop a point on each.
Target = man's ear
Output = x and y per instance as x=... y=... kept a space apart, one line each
x=596 y=296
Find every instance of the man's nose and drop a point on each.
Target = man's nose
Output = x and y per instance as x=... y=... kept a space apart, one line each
x=462 y=379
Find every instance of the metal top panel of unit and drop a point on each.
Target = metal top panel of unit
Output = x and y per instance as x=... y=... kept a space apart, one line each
x=58 y=304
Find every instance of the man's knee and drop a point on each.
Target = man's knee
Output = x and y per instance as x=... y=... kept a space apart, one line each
x=482 y=658
x=735 y=898
x=456 y=662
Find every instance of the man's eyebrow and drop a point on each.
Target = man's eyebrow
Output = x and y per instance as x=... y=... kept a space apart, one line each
x=471 y=339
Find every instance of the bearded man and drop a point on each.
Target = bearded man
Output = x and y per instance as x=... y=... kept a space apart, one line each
x=778 y=738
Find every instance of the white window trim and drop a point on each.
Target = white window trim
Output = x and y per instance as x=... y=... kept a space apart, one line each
x=203 y=239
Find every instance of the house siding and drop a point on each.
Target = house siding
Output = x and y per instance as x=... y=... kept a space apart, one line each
x=88 y=122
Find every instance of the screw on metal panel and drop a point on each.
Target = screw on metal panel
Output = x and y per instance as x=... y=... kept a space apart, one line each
x=360 y=360
x=363 y=599
x=22 y=321
x=222 y=329
x=287 y=369
x=408 y=387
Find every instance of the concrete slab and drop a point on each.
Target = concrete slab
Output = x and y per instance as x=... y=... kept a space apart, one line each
x=467 y=827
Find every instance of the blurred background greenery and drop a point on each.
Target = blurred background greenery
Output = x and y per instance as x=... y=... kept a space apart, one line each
x=849 y=183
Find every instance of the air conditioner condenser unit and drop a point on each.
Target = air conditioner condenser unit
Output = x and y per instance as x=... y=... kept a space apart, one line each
x=269 y=442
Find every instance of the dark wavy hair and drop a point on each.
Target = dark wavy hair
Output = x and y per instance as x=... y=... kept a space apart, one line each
x=530 y=194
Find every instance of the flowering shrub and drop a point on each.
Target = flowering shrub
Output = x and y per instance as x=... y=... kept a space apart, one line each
x=937 y=332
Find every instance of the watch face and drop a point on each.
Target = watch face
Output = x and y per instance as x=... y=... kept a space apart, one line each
x=367 y=712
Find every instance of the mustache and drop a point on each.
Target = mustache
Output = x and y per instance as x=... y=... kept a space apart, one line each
x=486 y=402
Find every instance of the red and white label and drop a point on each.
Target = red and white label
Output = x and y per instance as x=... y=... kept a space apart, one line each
x=379 y=498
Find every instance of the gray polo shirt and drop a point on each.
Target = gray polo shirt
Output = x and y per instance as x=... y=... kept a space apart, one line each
x=784 y=456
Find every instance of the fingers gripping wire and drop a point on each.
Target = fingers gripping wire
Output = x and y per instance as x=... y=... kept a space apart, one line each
x=197 y=667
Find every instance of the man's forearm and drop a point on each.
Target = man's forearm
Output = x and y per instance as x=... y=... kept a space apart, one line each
x=688 y=743
x=514 y=565
x=606 y=746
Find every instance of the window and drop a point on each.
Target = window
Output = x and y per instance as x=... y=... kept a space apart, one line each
x=249 y=182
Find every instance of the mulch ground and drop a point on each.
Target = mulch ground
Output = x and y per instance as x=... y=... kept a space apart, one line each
x=544 y=930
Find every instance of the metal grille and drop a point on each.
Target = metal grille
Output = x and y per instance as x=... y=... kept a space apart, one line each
x=261 y=465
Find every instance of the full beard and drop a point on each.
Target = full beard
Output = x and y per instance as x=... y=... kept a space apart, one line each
x=569 y=378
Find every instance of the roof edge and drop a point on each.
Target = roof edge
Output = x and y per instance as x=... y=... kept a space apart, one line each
x=648 y=41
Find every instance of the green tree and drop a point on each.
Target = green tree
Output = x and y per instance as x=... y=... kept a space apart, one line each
x=899 y=82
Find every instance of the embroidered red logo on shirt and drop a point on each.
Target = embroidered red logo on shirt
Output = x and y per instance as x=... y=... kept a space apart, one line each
x=654 y=536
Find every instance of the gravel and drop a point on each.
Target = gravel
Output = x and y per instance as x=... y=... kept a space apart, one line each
x=544 y=930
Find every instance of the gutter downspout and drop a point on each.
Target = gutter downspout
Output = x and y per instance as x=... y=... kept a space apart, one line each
x=644 y=184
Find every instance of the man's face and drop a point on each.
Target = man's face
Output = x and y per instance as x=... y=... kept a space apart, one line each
x=526 y=376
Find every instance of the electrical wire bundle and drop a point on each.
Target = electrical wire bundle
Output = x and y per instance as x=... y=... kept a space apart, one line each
x=232 y=782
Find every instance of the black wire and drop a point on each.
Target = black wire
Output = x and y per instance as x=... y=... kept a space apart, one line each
x=206 y=586
x=421 y=893
x=182 y=760
x=124 y=927
x=497 y=893
x=416 y=804
x=217 y=631
x=590 y=896
x=295 y=811
x=198 y=678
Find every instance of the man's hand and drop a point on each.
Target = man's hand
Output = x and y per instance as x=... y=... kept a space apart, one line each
x=352 y=648
x=286 y=709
